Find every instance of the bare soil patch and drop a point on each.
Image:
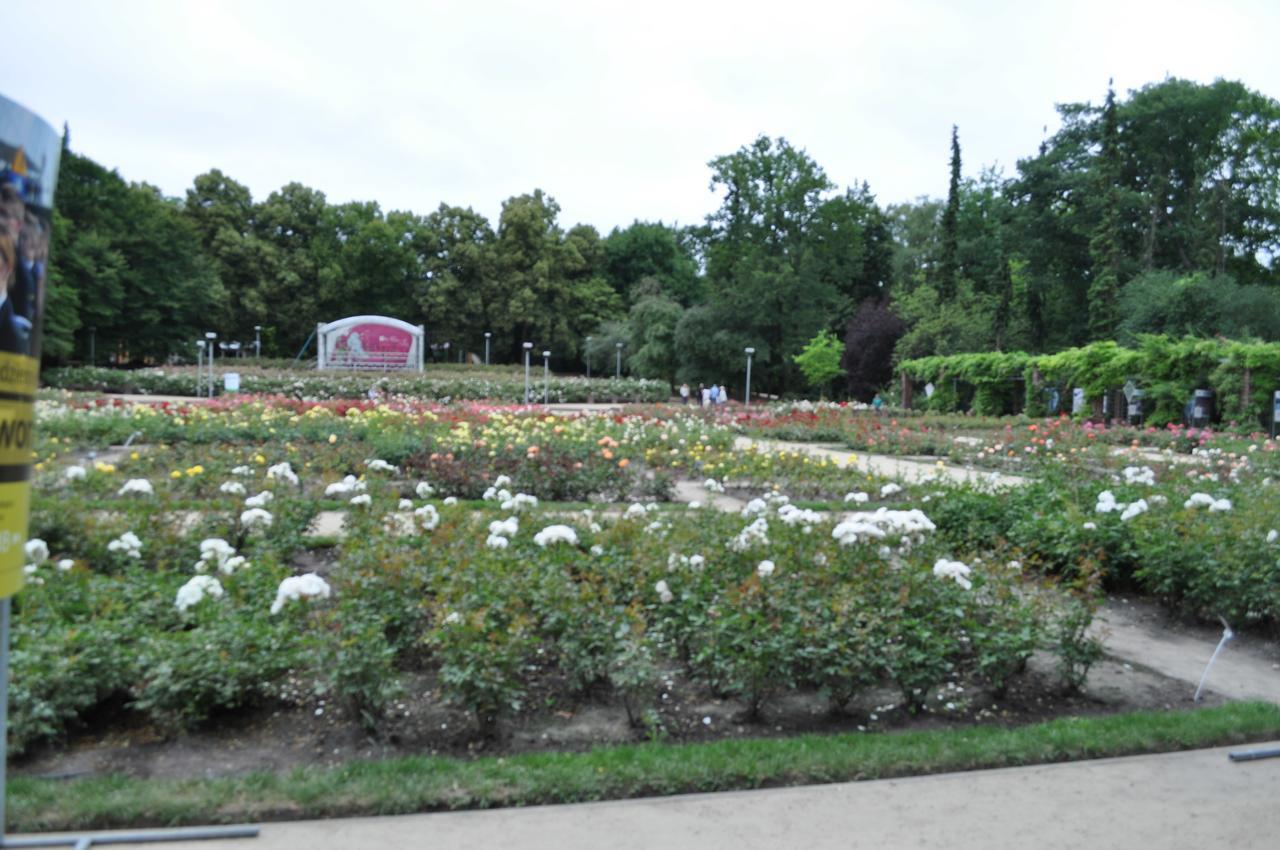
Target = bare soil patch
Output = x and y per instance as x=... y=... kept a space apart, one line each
x=321 y=733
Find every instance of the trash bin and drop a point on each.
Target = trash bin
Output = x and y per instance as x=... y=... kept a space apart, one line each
x=1201 y=409
x=1135 y=408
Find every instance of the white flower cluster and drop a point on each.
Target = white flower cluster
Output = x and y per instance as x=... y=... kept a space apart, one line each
x=196 y=590
x=349 y=484
x=712 y=486
x=128 y=543
x=1139 y=475
x=501 y=532
x=377 y=464
x=1205 y=500
x=74 y=473
x=424 y=490
x=282 y=472
x=693 y=562
x=518 y=502
x=256 y=518
x=803 y=517
x=293 y=588
x=664 y=592
x=890 y=489
x=36 y=551
x=1273 y=535
x=233 y=488
x=498 y=492
x=218 y=554
x=882 y=523
x=361 y=501
x=765 y=569
x=140 y=486
x=755 y=534
x=1107 y=503
x=260 y=500
x=556 y=534
x=242 y=470
x=755 y=507
x=639 y=509
x=955 y=570
x=428 y=517
x=1134 y=509
x=856 y=496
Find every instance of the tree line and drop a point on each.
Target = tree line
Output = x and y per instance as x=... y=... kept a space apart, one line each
x=1158 y=212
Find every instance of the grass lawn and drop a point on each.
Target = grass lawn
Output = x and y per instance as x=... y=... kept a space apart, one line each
x=419 y=784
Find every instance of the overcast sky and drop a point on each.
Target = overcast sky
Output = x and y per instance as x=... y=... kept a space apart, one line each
x=612 y=108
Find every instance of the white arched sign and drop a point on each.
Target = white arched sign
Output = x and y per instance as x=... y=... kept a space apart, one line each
x=370 y=343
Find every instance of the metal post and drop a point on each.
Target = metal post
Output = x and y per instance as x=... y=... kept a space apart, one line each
x=210 y=336
x=199 y=368
x=747 y=396
x=487 y=336
x=546 y=373
x=93 y=345
x=617 y=370
x=257 y=342
x=4 y=708
x=528 y=346
x=586 y=355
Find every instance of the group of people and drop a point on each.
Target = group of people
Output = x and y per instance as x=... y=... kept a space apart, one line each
x=714 y=394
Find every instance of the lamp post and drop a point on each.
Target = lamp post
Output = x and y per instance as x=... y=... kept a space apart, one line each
x=199 y=368
x=546 y=374
x=528 y=346
x=747 y=397
x=487 y=337
x=93 y=340
x=617 y=369
x=586 y=355
x=257 y=342
x=210 y=336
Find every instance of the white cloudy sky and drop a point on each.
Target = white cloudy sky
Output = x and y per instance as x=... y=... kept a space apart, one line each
x=612 y=108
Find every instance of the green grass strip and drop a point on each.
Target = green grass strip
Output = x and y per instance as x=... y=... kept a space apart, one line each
x=420 y=784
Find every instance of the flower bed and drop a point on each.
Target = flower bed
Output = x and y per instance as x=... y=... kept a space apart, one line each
x=178 y=576
x=309 y=384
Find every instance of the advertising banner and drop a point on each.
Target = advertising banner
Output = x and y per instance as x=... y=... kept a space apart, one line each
x=29 y=151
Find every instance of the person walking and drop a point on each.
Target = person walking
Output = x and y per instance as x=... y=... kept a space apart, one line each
x=684 y=393
x=705 y=393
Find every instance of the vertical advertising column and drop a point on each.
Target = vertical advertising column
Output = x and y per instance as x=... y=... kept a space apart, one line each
x=29 y=150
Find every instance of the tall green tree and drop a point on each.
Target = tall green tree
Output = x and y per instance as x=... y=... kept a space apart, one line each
x=554 y=297
x=949 y=259
x=652 y=250
x=458 y=292
x=127 y=263
x=1104 y=247
x=757 y=242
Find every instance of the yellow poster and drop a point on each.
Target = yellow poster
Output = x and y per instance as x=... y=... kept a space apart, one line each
x=29 y=151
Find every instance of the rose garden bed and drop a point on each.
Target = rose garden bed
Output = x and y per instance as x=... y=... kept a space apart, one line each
x=455 y=616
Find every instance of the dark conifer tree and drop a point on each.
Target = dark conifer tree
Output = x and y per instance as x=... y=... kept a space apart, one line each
x=948 y=265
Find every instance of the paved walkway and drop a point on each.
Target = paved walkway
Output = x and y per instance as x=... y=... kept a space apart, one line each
x=1188 y=800
x=1247 y=669
x=888 y=466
